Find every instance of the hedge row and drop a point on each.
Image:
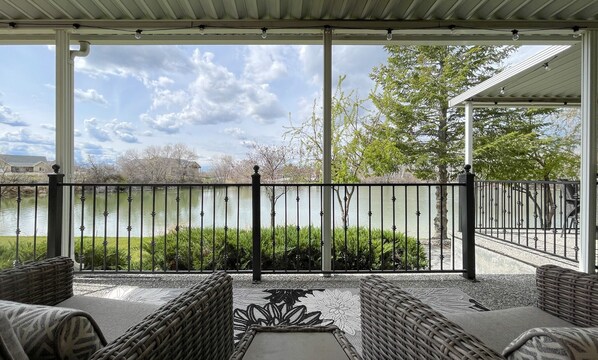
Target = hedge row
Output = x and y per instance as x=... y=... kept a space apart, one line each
x=283 y=248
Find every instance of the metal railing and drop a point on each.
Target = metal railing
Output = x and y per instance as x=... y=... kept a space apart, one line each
x=172 y=228
x=540 y=215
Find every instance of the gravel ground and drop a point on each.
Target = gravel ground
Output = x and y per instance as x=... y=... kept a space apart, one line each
x=492 y=291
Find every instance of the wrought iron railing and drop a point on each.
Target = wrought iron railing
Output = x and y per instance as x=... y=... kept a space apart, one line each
x=540 y=215
x=172 y=228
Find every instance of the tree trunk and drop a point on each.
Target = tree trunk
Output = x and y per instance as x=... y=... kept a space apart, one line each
x=441 y=218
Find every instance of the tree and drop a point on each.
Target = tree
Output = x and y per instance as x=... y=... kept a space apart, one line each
x=95 y=172
x=223 y=169
x=274 y=162
x=351 y=120
x=160 y=164
x=538 y=145
x=415 y=87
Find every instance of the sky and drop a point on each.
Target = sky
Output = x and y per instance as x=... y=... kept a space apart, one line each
x=218 y=99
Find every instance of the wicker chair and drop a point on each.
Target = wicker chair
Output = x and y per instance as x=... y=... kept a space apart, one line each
x=197 y=324
x=396 y=325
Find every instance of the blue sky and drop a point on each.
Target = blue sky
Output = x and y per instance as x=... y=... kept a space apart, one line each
x=218 y=100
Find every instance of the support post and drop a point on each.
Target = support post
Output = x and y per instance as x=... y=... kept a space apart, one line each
x=327 y=157
x=256 y=259
x=55 y=205
x=467 y=221
x=469 y=133
x=589 y=114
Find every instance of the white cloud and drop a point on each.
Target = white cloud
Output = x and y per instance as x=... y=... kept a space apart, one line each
x=90 y=95
x=26 y=137
x=264 y=63
x=9 y=117
x=124 y=131
x=51 y=127
x=96 y=130
x=140 y=62
x=168 y=123
x=104 y=132
x=235 y=132
x=216 y=95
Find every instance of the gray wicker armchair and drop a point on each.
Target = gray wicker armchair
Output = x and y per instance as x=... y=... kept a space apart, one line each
x=197 y=324
x=396 y=325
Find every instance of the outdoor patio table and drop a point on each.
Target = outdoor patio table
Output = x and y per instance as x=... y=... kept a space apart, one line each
x=294 y=343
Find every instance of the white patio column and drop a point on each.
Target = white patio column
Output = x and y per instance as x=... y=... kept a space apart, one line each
x=327 y=157
x=589 y=111
x=64 y=125
x=65 y=121
x=469 y=134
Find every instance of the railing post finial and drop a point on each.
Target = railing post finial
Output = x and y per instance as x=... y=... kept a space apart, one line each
x=55 y=167
x=256 y=168
x=467 y=168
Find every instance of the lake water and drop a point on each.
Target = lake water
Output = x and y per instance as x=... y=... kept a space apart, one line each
x=111 y=213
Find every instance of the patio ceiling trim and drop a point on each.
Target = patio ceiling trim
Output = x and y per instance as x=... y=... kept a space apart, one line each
x=529 y=84
x=298 y=21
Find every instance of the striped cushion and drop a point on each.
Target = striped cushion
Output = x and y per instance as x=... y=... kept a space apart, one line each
x=555 y=344
x=48 y=332
x=10 y=347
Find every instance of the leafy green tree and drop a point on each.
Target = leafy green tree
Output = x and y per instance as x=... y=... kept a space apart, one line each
x=351 y=138
x=533 y=144
x=414 y=88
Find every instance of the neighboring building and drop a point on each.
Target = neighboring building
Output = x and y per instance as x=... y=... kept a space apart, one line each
x=24 y=164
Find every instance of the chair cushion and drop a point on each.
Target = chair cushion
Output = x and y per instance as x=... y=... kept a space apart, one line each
x=555 y=344
x=114 y=317
x=497 y=328
x=48 y=332
x=10 y=347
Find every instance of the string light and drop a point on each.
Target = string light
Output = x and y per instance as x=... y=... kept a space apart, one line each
x=546 y=67
x=202 y=29
x=502 y=90
x=515 y=33
x=576 y=33
x=76 y=27
x=452 y=28
x=264 y=33
x=138 y=34
x=389 y=34
x=12 y=25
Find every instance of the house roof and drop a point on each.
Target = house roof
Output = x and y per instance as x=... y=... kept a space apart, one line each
x=296 y=21
x=22 y=160
x=528 y=83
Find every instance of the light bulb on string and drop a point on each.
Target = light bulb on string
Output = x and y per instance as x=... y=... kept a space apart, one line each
x=502 y=90
x=546 y=67
x=76 y=27
x=138 y=34
x=515 y=33
x=576 y=33
x=264 y=33
x=452 y=28
x=12 y=25
x=202 y=29
x=389 y=34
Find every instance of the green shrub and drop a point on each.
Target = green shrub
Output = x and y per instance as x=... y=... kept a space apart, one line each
x=283 y=248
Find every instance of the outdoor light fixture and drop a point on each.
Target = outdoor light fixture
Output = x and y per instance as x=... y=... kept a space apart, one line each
x=202 y=29
x=452 y=28
x=502 y=90
x=546 y=67
x=576 y=33
x=389 y=34
x=515 y=33
x=138 y=34
x=264 y=33
x=12 y=25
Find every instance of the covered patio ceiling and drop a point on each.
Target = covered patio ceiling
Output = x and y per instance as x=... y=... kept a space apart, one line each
x=551 y=77
x=297 y=21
